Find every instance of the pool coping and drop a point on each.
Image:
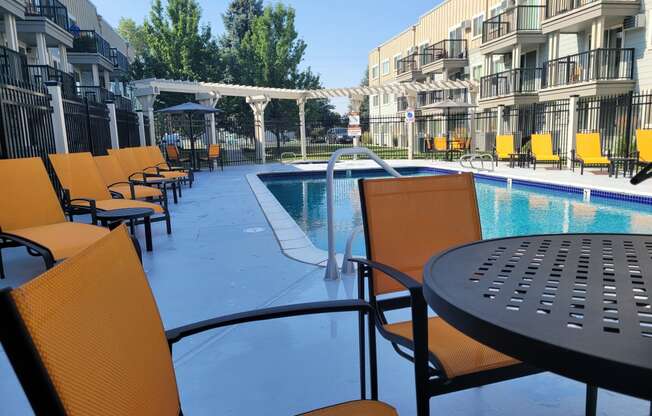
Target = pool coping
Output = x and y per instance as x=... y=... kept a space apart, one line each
x=295 y=244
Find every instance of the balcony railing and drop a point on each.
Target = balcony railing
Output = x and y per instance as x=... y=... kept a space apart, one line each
x=557 y=7
x=89 y=41
x=40 y=74
x=408 y=64
x=95 y=94
x=120 y=61
x=445 y=49
x=512 y=81
x=526 y=18
x=593 y=65
x=13 y=64
x=122 y=103
x=52 y=9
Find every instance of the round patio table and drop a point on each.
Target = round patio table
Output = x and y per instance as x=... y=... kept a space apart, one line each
x=131 y=215
x=575 y=304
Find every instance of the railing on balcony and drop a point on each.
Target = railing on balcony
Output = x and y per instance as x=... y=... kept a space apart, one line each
x=52 y=9
x=557 y=7
x=408 y=64
x=95 y=94
x=89 y=41
x=432 y=97
x=512 y=81
x=593 y=65
x=40 y=74
x=122 y=103
x=401 y=103
x=120 y=61
x=13 y=64
x=445 y=49
x=526 y=18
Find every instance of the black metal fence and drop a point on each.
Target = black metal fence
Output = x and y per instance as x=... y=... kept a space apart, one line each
x=87 y=126
x=25 y=120
x=547 y=117
x=484 y=129
x=148 y=137
x=128 y=133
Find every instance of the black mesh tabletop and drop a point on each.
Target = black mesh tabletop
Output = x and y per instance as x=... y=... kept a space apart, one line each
x=575 y=304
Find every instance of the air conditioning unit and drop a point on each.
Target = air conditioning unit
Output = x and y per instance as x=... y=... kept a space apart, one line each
x=634 y=22
x=466 y=25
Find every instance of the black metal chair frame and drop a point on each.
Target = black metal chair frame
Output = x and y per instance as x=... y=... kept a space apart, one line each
x=8 y=240
x=559 y=162
x=579 y=161
x=209 y=161
x=40 y=390
x=430 y=377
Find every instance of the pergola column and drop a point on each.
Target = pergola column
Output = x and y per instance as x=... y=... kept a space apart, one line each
x=411 y=128
x=141 y=128
x=258 y=104
x=210 y=99
x=147 y=97
x=572 y=129
x=301 y=102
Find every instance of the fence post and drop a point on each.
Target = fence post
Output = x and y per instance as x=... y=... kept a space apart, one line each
x=301 y=102
x=113 y=125
x=141 y=127
x=628 y=126
x=412 y=104
x=499 y=122
x=572 y=129
x=58 y=118
x=258 y=104
x=356 y=103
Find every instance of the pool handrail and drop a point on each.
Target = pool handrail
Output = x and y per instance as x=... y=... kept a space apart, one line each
x=332 y=271
x=474 y=157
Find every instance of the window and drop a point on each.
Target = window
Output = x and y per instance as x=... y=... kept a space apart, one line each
x=375 y=101
x=386 y=67
x=374 y=72
x=396 y=59
x=477 y=72
x=385 y=99
x=477 y=25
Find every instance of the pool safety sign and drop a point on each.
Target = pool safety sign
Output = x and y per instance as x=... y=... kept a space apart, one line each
x=354 y=129
x=409 y=115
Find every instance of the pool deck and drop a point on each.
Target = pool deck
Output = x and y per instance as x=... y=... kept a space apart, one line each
x=223 y=257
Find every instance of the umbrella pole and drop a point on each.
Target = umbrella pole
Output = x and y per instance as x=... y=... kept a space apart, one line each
x=192 y=144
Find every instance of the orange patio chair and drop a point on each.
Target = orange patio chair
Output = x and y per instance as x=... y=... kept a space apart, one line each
x=213 y=154
x=174 y=155
x=445 y=360
x=588 y=152
x=104 y=350
x=86 y=192
x=118 y=182
x=146 y=163
x=31 y=215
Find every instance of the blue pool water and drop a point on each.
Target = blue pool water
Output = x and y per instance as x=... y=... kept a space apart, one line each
x=504 y=212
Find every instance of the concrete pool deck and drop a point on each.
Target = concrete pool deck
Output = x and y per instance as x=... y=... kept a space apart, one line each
x=223 y=257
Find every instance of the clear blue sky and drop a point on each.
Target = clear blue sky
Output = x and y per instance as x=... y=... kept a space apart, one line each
x=339 y=33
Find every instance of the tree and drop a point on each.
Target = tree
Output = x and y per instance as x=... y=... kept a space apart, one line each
x=134 y=34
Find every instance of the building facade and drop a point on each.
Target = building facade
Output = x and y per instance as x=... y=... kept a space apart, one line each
x=66 y=41
x=521 y=53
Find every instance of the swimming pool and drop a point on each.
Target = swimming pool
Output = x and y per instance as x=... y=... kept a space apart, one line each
x=504 y=211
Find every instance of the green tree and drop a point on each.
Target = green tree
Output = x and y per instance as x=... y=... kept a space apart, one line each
x=134 y=34
x=364 y=108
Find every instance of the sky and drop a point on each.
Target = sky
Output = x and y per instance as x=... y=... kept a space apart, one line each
x=339 y=33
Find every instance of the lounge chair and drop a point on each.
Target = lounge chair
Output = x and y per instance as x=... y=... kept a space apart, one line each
x=214 y=154
x=31 y=215
x=643 y=147
x=588 y=152
x=157 y=159
x=174 y=156
x=542 y=150
x=441 y=146
x=104 y=350
x=86 y=193
x=118 y=181
x=445 y=360
x=147 y=163
x=504 y=147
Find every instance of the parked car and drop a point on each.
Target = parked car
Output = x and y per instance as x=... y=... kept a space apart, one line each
x=338 y=135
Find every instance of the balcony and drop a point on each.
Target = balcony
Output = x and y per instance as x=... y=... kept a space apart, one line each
x=40 y=74
x=511 y=87
x=449 y=54
x=573 y=15
x=89 y=48
x=517 y=25
x=47 y=17
x=95 y=94
x=12 y=64
x=120 y=61
x=595 y=72
x=408 y=69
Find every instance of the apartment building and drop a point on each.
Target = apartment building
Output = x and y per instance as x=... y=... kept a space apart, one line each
x=65 y=40
x=520 y=52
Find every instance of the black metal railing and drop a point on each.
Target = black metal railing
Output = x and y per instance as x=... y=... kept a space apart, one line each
x=512 y=81
x=593 y=65
x=95 y=94
x=120 y=61
x=526 y=18
x=122 y=103
x=408 y=64
x=87 y=126
x=52 y=9
x=557 y=7
x=89 y=41
x=40 y=74
x=433 y=97
x=445 y=49
x=551 y=117
x=128 y=132
x=13 y=64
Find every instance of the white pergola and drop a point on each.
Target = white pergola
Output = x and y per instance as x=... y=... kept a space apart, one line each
x=208 y=93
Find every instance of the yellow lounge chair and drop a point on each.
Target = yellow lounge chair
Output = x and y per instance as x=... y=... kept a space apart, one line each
x=643 y=146
x=143 y=157
x=441 y=146
x=86 y=192
x=86 y=338
x=588 y=152
x=31 y=215
x=542 y=150
x=504 y=147
x=118 y=182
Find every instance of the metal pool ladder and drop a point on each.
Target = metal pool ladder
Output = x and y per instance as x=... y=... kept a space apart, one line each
x=466 y=161
x=332 y=271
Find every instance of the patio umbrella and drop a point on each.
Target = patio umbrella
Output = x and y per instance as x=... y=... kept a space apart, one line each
x=190 y=109
x=449 y=104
